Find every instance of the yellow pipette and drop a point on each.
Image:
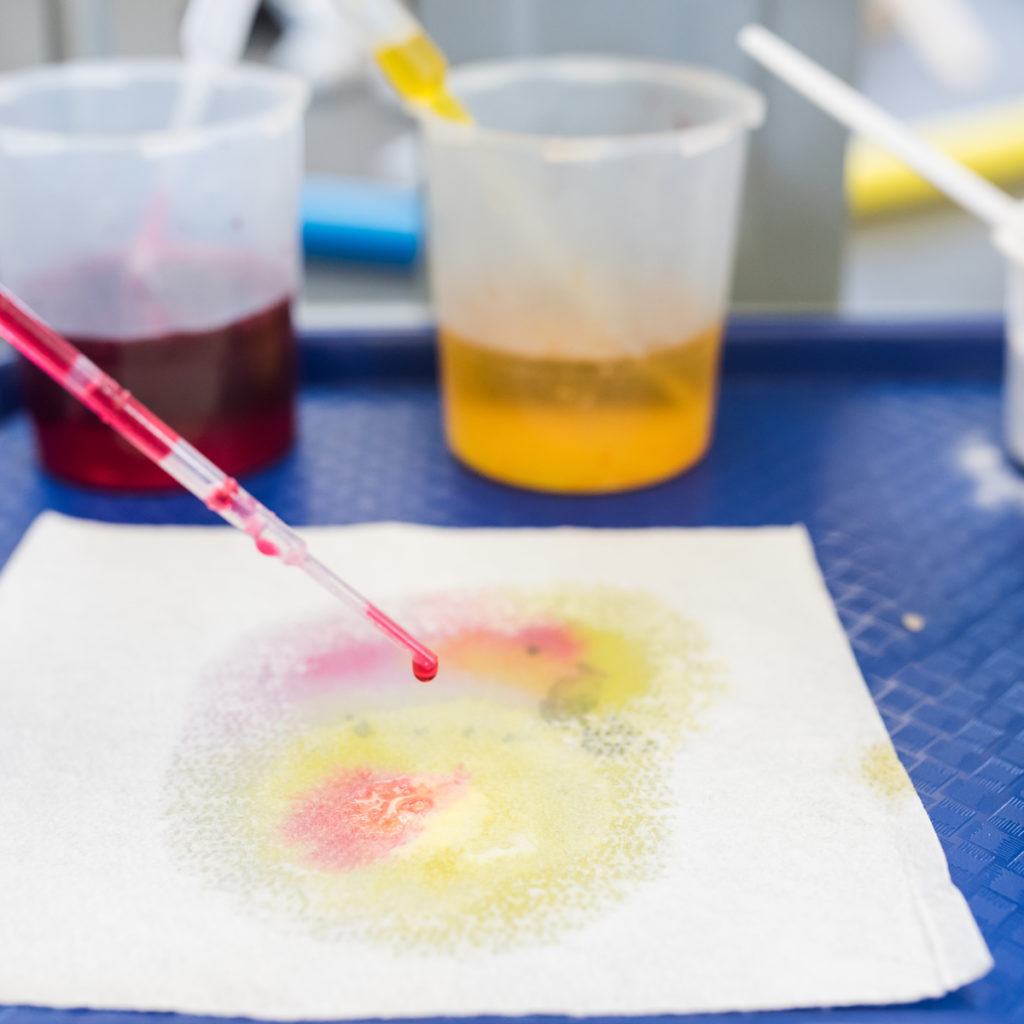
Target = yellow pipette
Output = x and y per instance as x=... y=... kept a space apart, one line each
x=409 y=58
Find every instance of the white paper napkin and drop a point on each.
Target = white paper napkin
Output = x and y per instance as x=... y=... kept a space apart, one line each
x=648 y=779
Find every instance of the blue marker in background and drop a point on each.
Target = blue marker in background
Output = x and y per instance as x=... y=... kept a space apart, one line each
x=348 y=219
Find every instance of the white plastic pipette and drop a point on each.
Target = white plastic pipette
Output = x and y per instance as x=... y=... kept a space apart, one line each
x=213 y=33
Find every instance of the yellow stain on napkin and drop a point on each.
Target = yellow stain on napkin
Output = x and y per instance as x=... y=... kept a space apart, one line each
x=882 y=770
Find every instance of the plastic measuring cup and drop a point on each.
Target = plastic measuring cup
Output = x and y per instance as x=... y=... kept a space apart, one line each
x=581 y=241
x=200 y=330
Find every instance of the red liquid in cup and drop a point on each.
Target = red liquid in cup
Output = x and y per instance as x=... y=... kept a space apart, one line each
x=229 y=391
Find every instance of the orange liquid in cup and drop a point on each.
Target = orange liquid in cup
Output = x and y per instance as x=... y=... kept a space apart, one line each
x=580 y=426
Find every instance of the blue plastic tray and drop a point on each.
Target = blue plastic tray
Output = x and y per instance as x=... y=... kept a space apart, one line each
x=854 y=430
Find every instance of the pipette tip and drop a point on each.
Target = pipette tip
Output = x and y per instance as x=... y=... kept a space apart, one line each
x=424 y=661
x=424 y=668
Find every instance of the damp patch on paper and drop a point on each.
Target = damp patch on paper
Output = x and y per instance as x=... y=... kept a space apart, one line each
x=506 y=803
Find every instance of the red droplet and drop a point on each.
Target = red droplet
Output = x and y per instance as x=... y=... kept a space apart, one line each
x=424 y=662
x=423 y=668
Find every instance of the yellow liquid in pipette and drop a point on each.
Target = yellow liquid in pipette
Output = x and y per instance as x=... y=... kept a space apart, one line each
x=417 y=70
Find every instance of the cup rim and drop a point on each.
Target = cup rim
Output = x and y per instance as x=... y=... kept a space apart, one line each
x=291 y=101
x=748 y=105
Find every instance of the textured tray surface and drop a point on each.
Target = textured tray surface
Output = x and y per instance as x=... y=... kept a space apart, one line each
x=871 y=459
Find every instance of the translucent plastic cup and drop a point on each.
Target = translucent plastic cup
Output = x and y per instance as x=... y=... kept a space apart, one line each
x=169 y=257
x=582 y=237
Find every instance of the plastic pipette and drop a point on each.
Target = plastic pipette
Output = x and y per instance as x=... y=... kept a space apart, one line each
x=213 y=33
x=410 y=59
x=221 y=493
x=850 y=108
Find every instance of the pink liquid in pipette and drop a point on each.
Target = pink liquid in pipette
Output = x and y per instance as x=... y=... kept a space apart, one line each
x=60 y=360
x=222 y=497
x=104 y=396
x=424 y=662
x=266 y=547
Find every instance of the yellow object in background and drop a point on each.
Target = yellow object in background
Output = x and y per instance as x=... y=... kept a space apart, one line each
x=417 y=69
x=989 y=141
